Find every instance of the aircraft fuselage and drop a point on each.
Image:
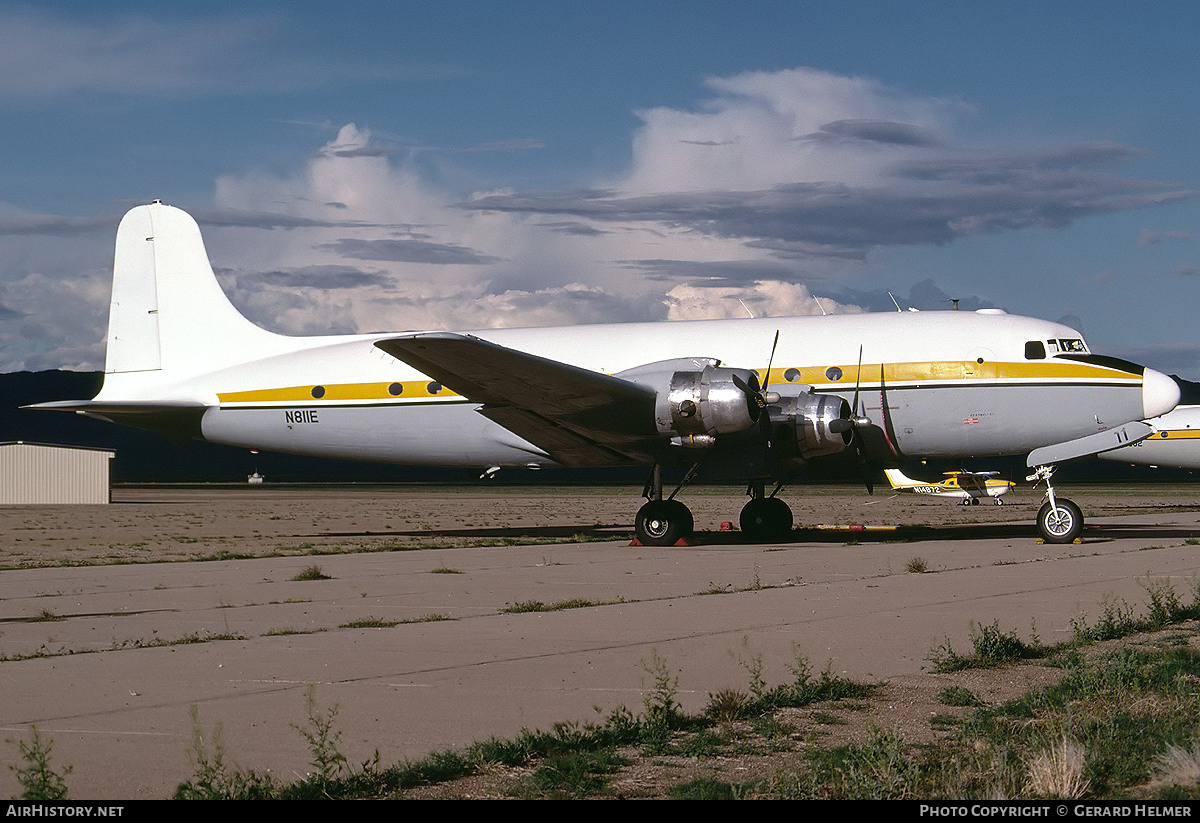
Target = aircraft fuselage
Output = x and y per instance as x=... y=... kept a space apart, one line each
x=955 y=384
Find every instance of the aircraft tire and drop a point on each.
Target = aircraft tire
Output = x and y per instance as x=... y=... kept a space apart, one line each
x=766 y=518
x=663 y=523
x=1062 y=526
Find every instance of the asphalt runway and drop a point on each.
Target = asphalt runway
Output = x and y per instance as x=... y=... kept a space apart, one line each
x=107 y=660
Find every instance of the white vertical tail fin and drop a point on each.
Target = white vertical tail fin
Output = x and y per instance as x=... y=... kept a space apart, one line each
x=899 y=480
x=168 y=312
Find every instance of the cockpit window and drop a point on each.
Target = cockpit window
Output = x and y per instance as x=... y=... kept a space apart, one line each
x=1066 y=345
x=1034 y=350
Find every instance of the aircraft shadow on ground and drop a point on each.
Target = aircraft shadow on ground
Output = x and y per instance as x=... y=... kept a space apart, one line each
x=984 y=531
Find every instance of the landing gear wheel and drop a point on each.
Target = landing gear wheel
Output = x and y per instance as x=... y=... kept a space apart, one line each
x=663 y=523
x=766 y=518
x=1061 y=526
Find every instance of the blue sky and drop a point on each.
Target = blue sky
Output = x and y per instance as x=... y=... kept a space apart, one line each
x=370 y=166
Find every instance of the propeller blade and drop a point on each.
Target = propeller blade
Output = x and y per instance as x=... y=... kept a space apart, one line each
x=858 y=421
x=770 y=362
x=857 y=384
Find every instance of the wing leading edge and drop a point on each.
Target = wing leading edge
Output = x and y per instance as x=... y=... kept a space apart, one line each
x=579 y=417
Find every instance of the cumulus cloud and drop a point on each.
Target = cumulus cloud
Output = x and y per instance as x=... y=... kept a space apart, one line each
x=54 y=320
x=765 y=298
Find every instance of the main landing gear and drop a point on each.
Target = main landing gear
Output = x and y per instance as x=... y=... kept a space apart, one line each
x=765 y=518
x=664 y=522
x=1059 y=520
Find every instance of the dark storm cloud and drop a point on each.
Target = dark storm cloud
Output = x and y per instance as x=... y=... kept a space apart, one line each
x=930 y=202
x=573 y=227
x=54 y=224
x=875 y=131
x=525 y=144
x=270 y=220
x=357 y=151
x=408 y=250
x=315 y=277
x=1003 y=167
x=711 y=274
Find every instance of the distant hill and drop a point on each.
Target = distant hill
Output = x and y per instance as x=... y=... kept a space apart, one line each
x=142 y=457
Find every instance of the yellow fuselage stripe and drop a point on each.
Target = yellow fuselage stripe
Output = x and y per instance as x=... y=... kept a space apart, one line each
x=816 y=376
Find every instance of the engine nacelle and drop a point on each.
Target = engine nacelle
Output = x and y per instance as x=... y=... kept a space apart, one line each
x=807 y=418
x=699 y=405
x=698 y=400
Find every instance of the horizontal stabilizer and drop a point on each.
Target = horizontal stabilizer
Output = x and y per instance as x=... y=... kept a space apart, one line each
x=177 y=421
x=114 y=407
x=1090 y=445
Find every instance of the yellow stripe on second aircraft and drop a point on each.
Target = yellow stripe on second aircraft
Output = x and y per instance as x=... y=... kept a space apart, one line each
x=1175 y=434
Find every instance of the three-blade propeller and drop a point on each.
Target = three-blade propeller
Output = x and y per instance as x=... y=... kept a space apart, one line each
x=855 y=423
x=757 y=396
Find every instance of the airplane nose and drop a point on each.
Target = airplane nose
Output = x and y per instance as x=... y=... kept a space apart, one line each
x=1160 y=393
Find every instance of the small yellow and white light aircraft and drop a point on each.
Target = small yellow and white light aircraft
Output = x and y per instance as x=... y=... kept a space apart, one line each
x=749 y=399
x=967 y=487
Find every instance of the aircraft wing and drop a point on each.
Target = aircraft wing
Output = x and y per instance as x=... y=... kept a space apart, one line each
x=579 y=417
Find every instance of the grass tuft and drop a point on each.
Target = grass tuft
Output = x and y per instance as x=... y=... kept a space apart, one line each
x=312 y=572
x=1058 y=771
x=916 y=565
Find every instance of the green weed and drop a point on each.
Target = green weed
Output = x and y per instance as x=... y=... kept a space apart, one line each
x=39 y=780
x=312 y=573
x=323 y=740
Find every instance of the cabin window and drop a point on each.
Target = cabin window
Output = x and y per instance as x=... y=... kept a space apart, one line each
x=1034 y=350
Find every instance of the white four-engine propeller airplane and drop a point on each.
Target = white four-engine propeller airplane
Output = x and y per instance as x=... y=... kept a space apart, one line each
x=747 y=399
x=965 y=486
